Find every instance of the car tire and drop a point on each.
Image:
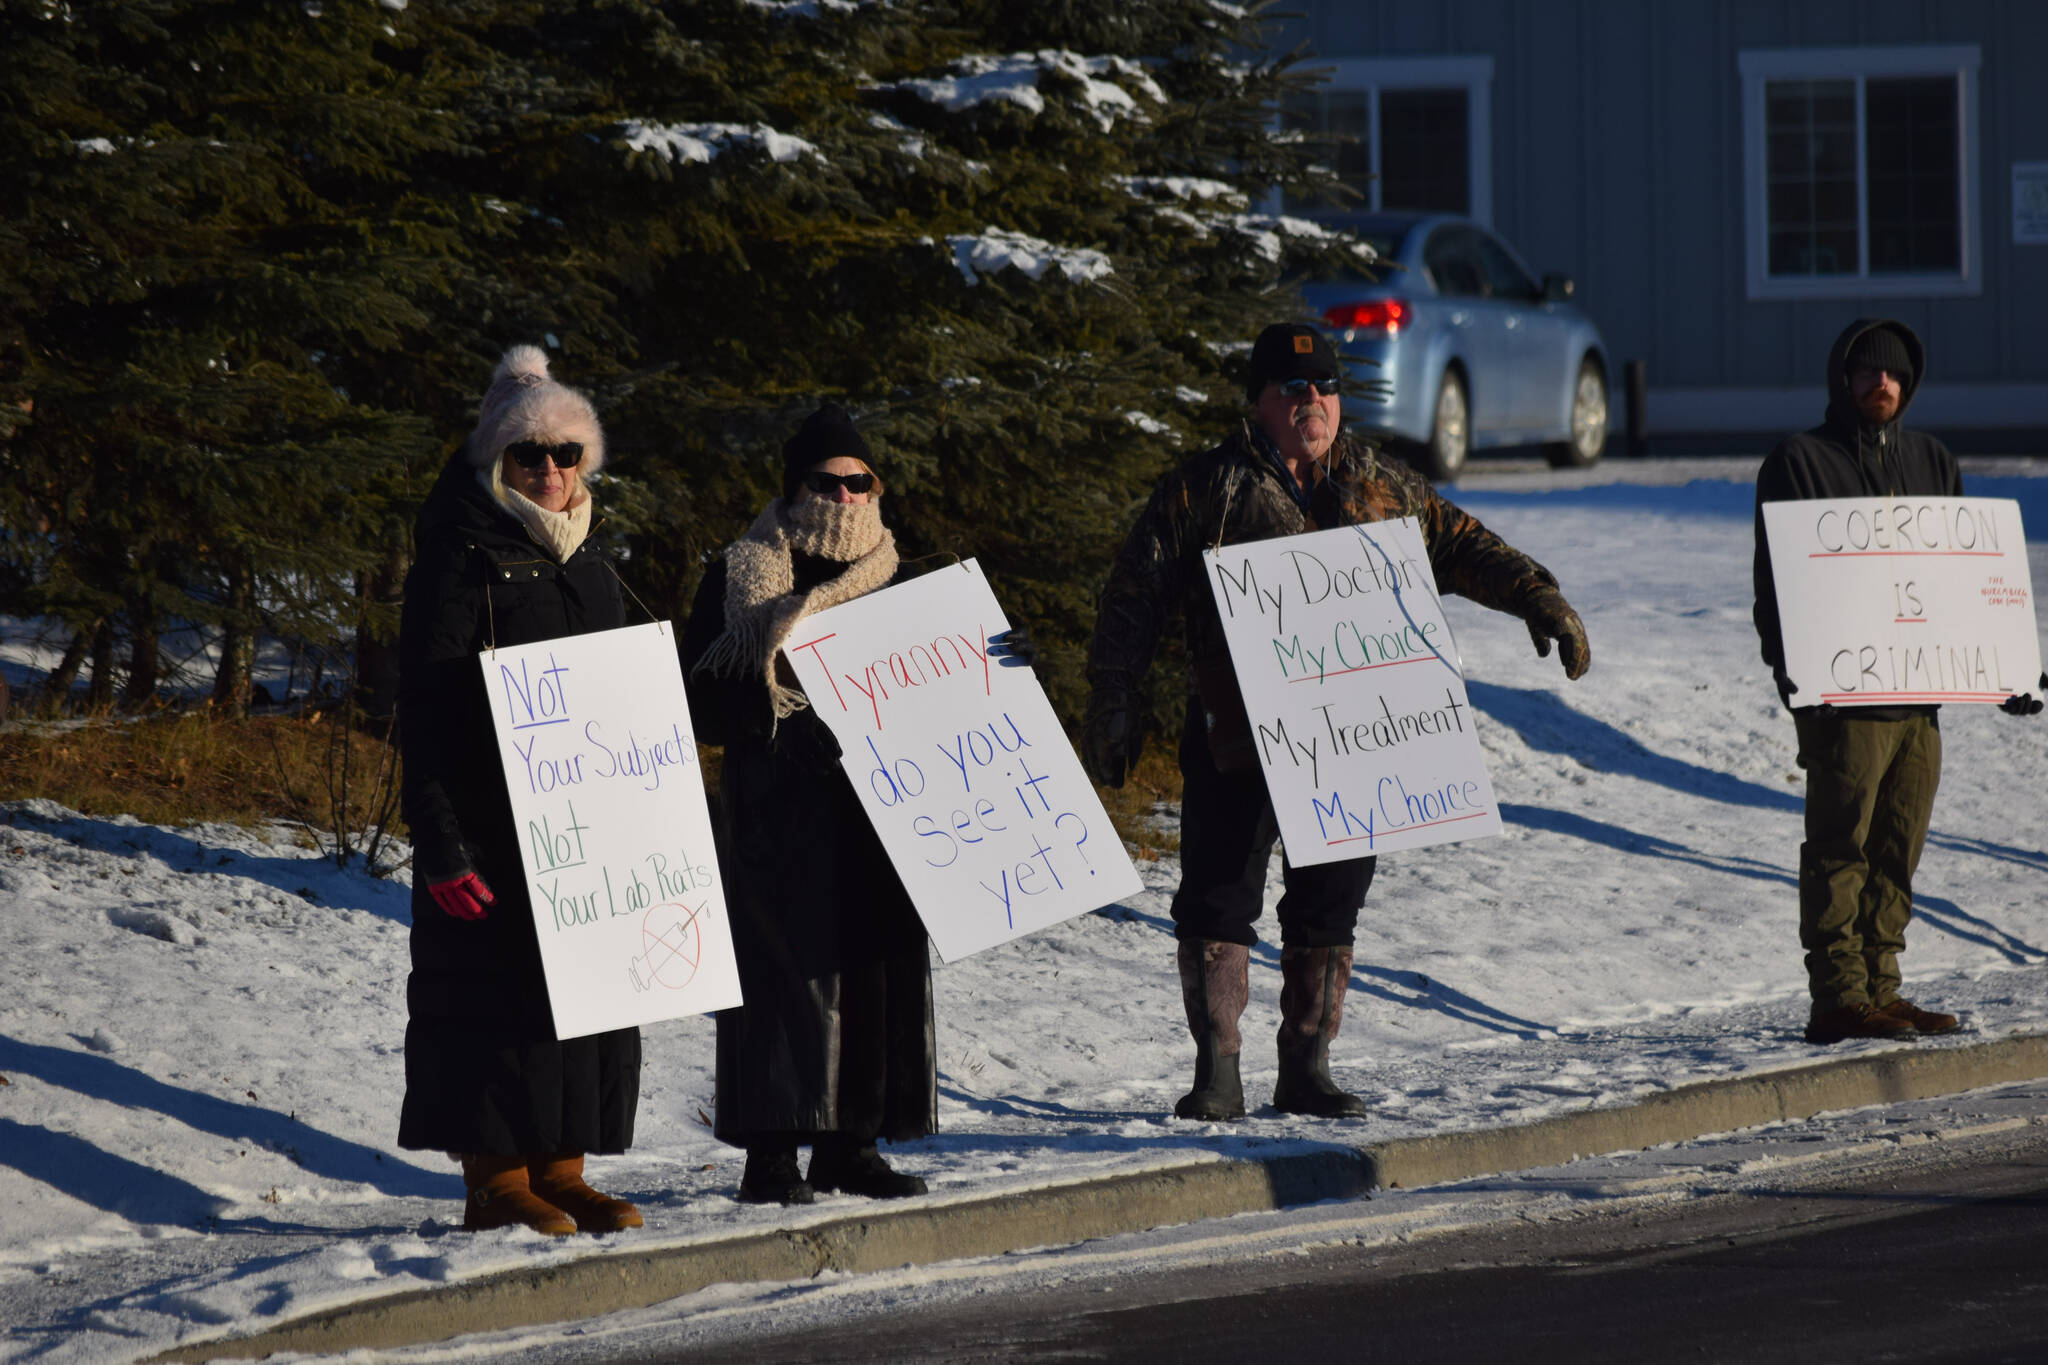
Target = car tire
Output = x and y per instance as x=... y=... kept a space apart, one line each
x=1589 y=421
x=1450 y=431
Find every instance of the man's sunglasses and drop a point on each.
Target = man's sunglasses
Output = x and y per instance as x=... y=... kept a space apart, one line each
x=1295 y=388
x=528 y=454
x=823 y=483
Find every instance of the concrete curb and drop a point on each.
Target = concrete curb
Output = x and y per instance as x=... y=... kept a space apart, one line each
x=1057 y=1215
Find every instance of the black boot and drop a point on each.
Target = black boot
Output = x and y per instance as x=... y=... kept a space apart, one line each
x=1312 y=986
x=844 y=1163
x=772 y=1176
x=1212 y=987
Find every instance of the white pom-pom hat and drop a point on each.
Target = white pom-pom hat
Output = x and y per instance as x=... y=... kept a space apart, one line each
x=523 y=404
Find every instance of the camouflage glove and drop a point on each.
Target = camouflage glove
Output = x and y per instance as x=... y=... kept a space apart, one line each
x=1112 y=737
x=1550 y=617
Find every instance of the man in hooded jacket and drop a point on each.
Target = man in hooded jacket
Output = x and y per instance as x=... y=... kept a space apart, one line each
x=1871 y=771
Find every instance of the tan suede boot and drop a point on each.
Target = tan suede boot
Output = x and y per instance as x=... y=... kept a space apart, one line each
x=501 y=1197
x=559 y=1180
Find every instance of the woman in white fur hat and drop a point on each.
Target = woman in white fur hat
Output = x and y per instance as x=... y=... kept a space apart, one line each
x=504 y=557
x=834 y=1046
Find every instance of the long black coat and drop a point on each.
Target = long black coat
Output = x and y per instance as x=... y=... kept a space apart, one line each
x=836 y=1034
x=483 y=1071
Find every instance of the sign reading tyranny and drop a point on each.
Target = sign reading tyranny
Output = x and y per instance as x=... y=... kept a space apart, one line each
x=601 y=761
x=1354 y=691
x=959 y=762
x=1903 y=599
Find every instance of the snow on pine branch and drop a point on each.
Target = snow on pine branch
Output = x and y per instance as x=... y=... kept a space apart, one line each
x=686 y=142
x=998 y=249
x=1185 y=187
x=803 y=9
x=1014 y=79
x=1264 y=231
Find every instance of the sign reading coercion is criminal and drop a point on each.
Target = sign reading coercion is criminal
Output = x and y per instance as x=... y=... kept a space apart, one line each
x=960 y=762
x=1354 y=691
x=1913 y=599
x=601 y=761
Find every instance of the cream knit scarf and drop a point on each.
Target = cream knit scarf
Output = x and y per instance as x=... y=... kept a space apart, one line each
x=761 y=603
x=558 y=532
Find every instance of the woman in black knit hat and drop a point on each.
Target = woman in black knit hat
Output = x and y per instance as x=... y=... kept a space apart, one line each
x=834 y=1047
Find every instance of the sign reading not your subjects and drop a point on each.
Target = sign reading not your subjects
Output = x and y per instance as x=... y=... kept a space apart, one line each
x=1897 y=600
x=1354 y=690
x=601 y=761
x=959 y=762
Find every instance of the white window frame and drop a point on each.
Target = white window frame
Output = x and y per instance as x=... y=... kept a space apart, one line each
x=1759 y=65
x=1474 y=75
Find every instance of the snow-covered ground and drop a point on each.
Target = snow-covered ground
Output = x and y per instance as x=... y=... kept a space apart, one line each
x=200 y=1038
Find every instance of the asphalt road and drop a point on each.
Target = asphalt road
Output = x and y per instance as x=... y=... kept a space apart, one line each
x=1942 y=1262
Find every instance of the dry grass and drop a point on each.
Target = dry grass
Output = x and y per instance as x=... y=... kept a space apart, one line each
x=178 y=767
x=1131 y=807
x=181 y=767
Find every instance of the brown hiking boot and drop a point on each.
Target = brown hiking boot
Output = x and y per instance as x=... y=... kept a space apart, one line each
x=559 y=1180
x=1922 y=1021
x=1853 y=1021
x=500 y=1197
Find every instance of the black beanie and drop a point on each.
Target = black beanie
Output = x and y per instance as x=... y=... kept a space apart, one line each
x=1881 y=348
x=826 y=433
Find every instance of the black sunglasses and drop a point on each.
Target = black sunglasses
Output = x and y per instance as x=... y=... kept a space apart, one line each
x=822 y=483
x=1295 y=388
x=527 y=454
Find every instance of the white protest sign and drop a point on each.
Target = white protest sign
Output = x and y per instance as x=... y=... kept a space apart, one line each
x=601 y=761
x=1903 y=600
x=959 y=762
x=1354 y=690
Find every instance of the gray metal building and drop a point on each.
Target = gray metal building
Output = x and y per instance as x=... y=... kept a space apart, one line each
x=1729 y=181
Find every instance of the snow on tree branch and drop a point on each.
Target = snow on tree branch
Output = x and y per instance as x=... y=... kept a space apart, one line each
x=998 y=249
x=686 y=142
x=1014 y=79
x=1189 y=187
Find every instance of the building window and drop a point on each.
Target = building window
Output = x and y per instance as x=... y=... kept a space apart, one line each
x=1409 y=133
x=1861 y=171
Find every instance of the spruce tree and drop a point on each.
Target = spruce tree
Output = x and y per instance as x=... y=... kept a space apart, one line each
x=1021 y=242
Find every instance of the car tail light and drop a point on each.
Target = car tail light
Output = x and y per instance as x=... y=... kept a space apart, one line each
x=1372 y=315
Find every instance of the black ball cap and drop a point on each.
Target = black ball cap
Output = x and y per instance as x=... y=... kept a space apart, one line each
x=1290 y=350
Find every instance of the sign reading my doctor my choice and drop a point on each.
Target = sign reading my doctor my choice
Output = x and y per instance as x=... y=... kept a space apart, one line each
x=1354 y=691
x=1884 y=601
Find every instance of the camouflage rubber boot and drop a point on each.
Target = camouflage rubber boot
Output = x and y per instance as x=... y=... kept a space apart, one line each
x=1313 y=982
x=1213 y=986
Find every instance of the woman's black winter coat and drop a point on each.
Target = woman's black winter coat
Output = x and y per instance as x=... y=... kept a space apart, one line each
x=836 y=1033
x=483 y=1071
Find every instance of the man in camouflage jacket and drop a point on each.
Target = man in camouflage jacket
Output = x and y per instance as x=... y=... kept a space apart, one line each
x=1287 y=471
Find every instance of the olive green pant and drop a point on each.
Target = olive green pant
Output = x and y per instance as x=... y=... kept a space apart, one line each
x=1869 y=795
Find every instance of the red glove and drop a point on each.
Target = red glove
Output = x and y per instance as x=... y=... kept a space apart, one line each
x=464 y=897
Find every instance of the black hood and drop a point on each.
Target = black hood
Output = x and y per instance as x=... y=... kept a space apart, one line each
x=459 y=500
x=1841 y=406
